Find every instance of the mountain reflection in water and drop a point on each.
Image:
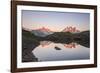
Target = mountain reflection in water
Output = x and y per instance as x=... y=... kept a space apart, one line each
x=70 y=45
x=46 y=51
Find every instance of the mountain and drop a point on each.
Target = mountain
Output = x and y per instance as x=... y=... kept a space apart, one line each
x=44 y=29
x=42 y=32
x=71 y=29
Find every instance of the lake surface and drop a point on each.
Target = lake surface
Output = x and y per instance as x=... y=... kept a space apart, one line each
x=49 y=51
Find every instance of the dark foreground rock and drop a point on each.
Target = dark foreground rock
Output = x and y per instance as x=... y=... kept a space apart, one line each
x=28 y=45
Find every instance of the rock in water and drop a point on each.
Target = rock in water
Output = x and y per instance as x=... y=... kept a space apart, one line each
x=57 y=48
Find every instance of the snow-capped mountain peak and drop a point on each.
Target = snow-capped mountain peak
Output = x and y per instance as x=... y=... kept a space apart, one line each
x=42 y=32
x=70 y=29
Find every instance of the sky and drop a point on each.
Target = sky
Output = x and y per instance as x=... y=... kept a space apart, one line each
x=55 y=21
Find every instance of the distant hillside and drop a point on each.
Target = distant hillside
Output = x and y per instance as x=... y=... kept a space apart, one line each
x=83 y=38
x=60 y=37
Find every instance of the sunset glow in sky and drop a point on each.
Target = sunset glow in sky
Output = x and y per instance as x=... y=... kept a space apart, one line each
x=55 y=21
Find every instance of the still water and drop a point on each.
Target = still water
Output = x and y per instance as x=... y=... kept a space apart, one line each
x=49 y=51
